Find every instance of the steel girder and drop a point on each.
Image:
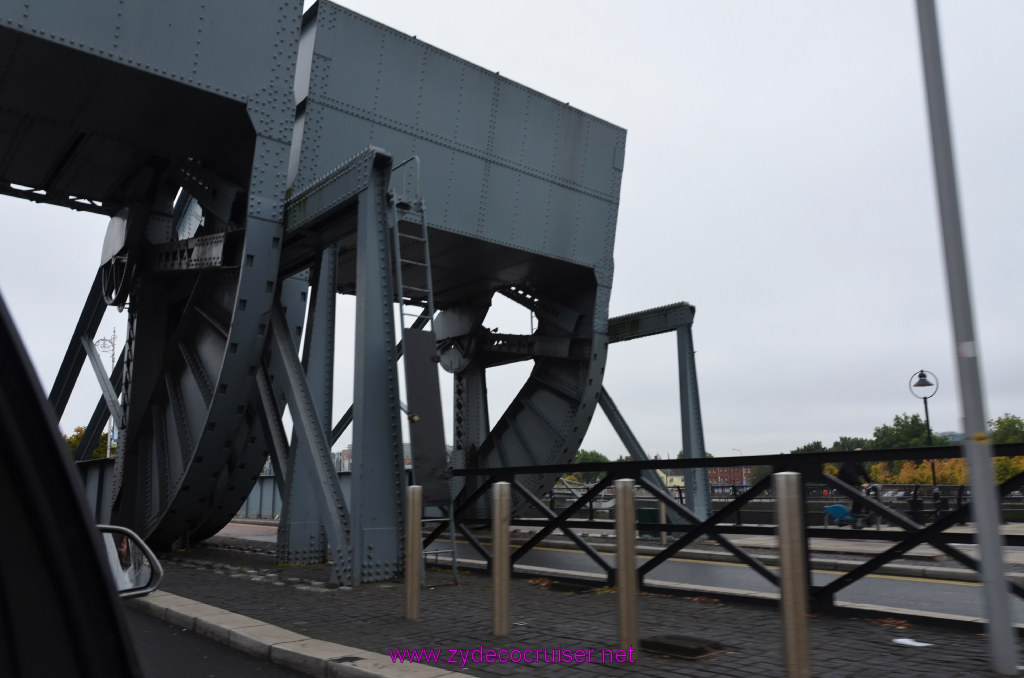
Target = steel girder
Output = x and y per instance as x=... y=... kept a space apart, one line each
x=378 y=475
x=100 y=415
x=302 y=536
x=676 y=318
x=311 y=475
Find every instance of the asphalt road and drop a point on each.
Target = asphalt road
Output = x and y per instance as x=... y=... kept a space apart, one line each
x=167 y=651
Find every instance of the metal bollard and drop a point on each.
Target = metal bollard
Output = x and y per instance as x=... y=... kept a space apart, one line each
x=413 y=550
x=500 y=555
x=625 y=570
x=789 y=517
x=663 y=518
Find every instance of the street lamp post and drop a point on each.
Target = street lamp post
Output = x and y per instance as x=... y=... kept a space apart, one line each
x=109 y=345
x=920 y=384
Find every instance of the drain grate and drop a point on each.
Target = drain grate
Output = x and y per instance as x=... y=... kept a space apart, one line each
x=685 y=647
x=570 y=587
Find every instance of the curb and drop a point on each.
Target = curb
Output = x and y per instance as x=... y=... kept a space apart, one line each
x=277 y=645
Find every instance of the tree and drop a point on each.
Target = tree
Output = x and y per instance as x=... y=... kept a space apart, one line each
x=1008 y=428
x=849 y=443
x=586 y=457
x=910 y=430
x=759 y=473
x=809 y=448
x=906 y=430
x=75 y=439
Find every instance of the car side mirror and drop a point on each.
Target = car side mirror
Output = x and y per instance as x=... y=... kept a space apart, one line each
x=133 y=565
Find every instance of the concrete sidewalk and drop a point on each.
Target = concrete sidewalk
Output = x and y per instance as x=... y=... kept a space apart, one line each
x=288 y=615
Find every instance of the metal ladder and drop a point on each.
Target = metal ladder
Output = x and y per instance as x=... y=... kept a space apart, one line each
x=411 y=259
x=411 y=246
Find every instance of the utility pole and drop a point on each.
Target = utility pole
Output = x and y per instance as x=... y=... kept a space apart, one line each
x=109 y=345
x=977 y=444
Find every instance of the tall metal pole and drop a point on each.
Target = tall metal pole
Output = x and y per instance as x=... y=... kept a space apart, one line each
x=977 y=445
x=109 y=344
x=928 y=428
x=923 y=382
x=927 y=421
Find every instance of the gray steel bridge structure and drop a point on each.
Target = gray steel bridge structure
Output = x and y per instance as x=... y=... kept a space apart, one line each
x=255 y=161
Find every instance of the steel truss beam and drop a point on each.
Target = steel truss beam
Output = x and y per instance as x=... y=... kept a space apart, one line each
x=101 y=413
x=88 y=322
x=676 y=318
x=205 y=252
x=301 y=539
x=633 y=446
x=50 y=198
x=316 y=450
x=273 y=430
x=109 y=393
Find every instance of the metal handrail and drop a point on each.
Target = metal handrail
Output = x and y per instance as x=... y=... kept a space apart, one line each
x=719 y=524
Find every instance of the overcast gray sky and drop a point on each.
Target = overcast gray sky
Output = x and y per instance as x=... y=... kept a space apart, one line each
x=778 y=177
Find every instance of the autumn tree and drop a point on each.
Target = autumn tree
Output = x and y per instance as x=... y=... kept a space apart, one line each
x=1007 y=428
x=910 y=430
x=848 y=444
x=75 y=439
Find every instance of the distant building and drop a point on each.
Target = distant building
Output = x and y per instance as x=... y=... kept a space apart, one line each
x=671 y=477
x=718 y=476
x=729 y=476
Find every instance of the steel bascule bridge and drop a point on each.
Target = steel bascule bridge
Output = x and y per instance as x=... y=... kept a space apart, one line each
x=255 y=161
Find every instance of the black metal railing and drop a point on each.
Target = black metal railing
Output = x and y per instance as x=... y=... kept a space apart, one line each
x=686 y=527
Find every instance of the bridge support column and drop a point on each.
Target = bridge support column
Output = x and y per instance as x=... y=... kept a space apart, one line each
x=698 y=492
x=378 y=473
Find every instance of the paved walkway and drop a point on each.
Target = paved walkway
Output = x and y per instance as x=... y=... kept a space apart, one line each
x=330 y=632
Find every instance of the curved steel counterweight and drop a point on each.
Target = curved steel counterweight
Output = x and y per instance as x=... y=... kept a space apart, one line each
x=249 y=164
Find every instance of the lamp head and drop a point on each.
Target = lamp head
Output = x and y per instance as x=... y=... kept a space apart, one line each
x=922 y=380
